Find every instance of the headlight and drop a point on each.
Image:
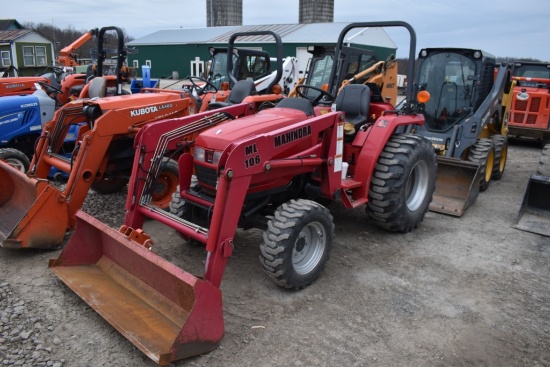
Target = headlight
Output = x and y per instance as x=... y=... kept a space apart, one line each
x=199 y=154
x=216 y=157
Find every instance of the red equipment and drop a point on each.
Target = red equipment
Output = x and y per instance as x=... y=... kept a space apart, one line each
x=260 y=171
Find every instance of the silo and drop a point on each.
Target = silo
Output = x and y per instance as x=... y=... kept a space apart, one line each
x=316 y=11
x=224 y=13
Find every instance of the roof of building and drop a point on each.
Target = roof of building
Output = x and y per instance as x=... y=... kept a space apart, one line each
x=10 y=36
x=315 y=33
x=9 y=24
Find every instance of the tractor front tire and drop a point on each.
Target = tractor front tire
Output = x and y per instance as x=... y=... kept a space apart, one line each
x=403 y=183
x=15 y=158
x=501 y=155
x=297 y=243
x=483 y=153
x=165 y=184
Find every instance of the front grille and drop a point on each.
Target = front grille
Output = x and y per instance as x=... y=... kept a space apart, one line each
x=535 y=104
x=206 y=175
x=520 y=105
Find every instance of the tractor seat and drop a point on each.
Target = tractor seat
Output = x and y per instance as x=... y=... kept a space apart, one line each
x=241 y=90
x=301 y=104
x=354 y=101
x=98 y=88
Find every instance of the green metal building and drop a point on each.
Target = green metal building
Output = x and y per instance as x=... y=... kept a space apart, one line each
x=177 y=53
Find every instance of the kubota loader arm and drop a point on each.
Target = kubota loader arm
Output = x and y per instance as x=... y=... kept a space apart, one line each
x=67 y=55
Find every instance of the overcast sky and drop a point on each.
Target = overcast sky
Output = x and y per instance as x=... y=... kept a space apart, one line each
x=504 y=28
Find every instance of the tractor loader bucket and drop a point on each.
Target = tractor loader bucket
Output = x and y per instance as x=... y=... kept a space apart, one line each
x=166 y=312
x=456 y=187
x=534 y=215
x=33 y=214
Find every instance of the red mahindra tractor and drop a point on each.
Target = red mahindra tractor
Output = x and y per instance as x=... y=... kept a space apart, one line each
x=270 y=170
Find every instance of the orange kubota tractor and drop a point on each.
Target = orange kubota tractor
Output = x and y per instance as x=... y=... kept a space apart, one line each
x=268 y=170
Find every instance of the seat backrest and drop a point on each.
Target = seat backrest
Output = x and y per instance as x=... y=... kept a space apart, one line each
x=241 y=90
x=354 y=101
x=302 y=104
x=98 y=87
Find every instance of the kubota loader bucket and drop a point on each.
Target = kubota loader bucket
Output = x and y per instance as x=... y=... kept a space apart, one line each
x=534 y=215
x=456 y=187
x=166 y=312
x=32 y=212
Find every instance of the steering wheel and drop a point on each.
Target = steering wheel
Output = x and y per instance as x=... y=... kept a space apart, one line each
x=50 y=88
x=202 y=89
x=57 y=70
x=323 y=94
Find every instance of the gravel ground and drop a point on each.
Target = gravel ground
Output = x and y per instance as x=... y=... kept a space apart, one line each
x=469 y=291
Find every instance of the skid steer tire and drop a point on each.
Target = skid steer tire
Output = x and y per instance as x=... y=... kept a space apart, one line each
x=297 y=243
x=403 y=183
x=543 y=168
x=165 y=184
x=15 y=158
x=483 y=153
x=501 y=155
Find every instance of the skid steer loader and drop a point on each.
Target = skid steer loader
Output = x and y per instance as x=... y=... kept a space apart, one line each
x=530 y=106
x=262 y=170
x=466 y=119
x=534 y=214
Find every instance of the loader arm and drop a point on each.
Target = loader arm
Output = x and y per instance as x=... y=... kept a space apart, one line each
x=108 y=120
x=67 y=55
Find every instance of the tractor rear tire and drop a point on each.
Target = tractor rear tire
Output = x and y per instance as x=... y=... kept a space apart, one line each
x=403 y=183
x=165 y=184
x=483 y=153
x=501 y=155
x=297 y=243
x=543 y=168
x=15 y=158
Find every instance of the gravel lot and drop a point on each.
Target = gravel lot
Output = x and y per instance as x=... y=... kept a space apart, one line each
x=470 y=291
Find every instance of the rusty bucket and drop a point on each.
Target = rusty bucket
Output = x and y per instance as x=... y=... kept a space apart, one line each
x=456 y=187
x=534 y=214
x=33 y=214
x=166 y=312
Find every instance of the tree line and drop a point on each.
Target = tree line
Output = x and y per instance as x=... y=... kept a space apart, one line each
x=64 y=37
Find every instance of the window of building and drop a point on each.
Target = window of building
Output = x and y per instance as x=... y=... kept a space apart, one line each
x=5 y=57
x=28 y=56
x=41 y=56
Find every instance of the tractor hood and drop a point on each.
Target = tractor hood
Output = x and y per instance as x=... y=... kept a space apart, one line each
x=221 y=137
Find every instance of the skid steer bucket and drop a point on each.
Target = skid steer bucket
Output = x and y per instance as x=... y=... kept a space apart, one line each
x=166 y=312
x=534 y=215
x=33 y=214
x=456 y=187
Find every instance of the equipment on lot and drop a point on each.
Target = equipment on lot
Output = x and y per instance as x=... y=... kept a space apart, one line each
x=534 y=214
x=22 y=117
x=34 y=213
x=466 y=120
x=224 y=72
x=259 y=170
x=530 y=106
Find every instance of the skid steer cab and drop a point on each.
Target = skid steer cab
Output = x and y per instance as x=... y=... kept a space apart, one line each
x=271 y=170
x=466 y=119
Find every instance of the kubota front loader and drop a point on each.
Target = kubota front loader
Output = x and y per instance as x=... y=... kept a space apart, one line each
x=262 y=170
x=34 y=213
x=466 y=119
